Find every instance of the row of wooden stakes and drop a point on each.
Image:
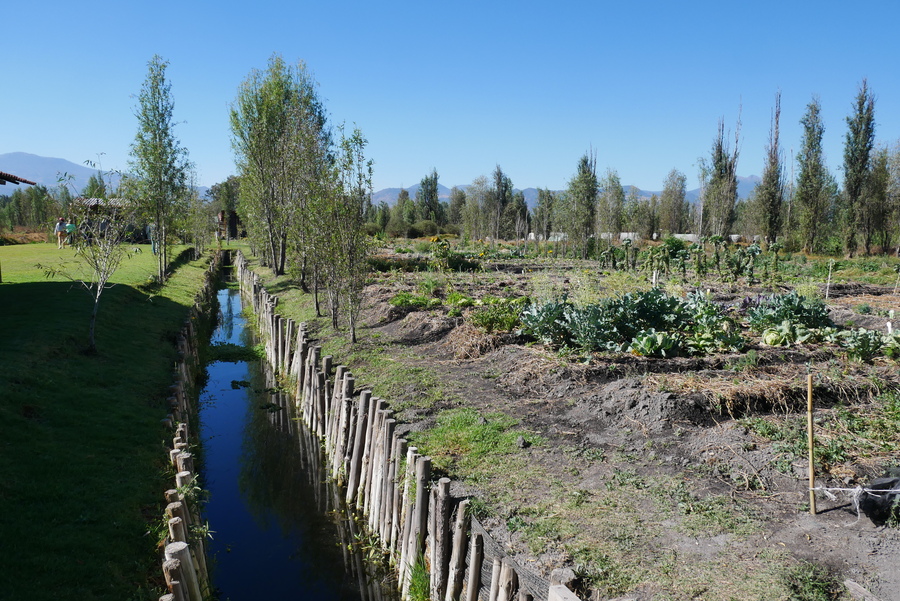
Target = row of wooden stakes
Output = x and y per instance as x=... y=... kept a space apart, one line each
x=184 y=561
x=387 y=481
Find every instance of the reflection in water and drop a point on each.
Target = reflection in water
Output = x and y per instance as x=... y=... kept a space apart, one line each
x=276 y=531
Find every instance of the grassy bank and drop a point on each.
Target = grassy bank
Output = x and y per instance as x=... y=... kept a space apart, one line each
x=82 y=468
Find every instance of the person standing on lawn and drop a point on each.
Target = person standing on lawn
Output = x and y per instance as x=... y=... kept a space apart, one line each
x=70 y=232
x=60 y=232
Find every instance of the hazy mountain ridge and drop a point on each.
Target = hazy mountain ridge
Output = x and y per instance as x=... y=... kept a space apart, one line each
x=48 y=171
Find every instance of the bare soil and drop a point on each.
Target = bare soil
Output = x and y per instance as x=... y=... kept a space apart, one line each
x=636 y=450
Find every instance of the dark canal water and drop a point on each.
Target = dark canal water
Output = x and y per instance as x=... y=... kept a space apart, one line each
x=276 y=533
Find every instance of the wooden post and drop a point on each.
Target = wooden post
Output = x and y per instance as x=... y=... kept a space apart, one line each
x=476 y=558
x=397 y=495
x=174 y=579
x=406 y=512
x=419 y=522
x=509 y=581
x=495 y=579
x=811 y=438
x=458 y=554
x=177 y=532
x=386 y=496
x=441 y=540
x=182 y=553
x=359 y=441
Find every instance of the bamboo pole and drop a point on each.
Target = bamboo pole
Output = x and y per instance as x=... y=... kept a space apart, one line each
x=811 y=439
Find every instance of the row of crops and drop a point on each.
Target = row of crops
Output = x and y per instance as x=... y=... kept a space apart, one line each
x=655 y=324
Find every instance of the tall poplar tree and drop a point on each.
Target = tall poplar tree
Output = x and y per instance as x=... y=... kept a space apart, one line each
x=770 y=192
x=857 y=155
x=673 y=209
x=159 y=164
x=814 y=196
x=579 y=205
x=428 y=205
x=610 y=206
x=720 y=189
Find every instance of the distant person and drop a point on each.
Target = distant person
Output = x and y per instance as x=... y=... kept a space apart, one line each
x=70 y=232
x=60 y=232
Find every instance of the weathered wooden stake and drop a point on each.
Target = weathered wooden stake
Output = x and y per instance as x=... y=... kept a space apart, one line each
x=811 y=438
x=182 y=553
x=495 y=579
x=476 y=558
x=509 y=581
x=457 y=568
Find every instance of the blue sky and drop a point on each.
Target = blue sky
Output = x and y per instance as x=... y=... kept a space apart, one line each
x=459 y=86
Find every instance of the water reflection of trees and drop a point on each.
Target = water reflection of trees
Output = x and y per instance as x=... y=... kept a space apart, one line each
x=226 y=313
x=283 y=477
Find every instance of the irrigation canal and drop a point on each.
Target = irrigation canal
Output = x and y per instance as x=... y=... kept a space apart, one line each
x=278 y=530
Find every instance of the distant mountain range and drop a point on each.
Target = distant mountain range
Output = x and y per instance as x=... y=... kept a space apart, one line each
x=47 y=171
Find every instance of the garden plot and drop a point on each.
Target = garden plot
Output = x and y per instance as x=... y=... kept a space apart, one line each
x=663 y=475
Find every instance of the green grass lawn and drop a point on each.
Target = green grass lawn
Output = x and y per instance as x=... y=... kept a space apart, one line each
x=82 y=465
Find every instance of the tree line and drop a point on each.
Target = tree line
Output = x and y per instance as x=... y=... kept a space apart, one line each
x=811 y=212
x=304 y=187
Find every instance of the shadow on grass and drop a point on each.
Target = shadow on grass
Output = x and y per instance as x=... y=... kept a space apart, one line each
x=78 y=429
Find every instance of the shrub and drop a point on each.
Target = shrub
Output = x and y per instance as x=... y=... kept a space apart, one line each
x=673 y=245
x=546 y=322
x=774 y=310
x=862 y=345
x=426 y=227
x=498 y=314
x=409 y=300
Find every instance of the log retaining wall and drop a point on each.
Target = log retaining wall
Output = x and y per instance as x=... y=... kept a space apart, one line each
x=184 y=563
x=388 y=482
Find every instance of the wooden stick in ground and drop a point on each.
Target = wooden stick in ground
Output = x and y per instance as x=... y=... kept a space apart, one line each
x=458 y=554
x=476 y=557
x=182 y=553
x=495 y=579
x=174 y=579
x=406 y=512
x=362 y=412
x=811 y=438
x=441 y=540
x=509 y=581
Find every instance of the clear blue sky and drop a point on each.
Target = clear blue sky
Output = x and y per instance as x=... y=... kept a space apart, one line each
x=459 y=86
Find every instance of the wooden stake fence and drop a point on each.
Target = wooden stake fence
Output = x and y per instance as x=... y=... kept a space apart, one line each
x=387 y=481
x=184 y=566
